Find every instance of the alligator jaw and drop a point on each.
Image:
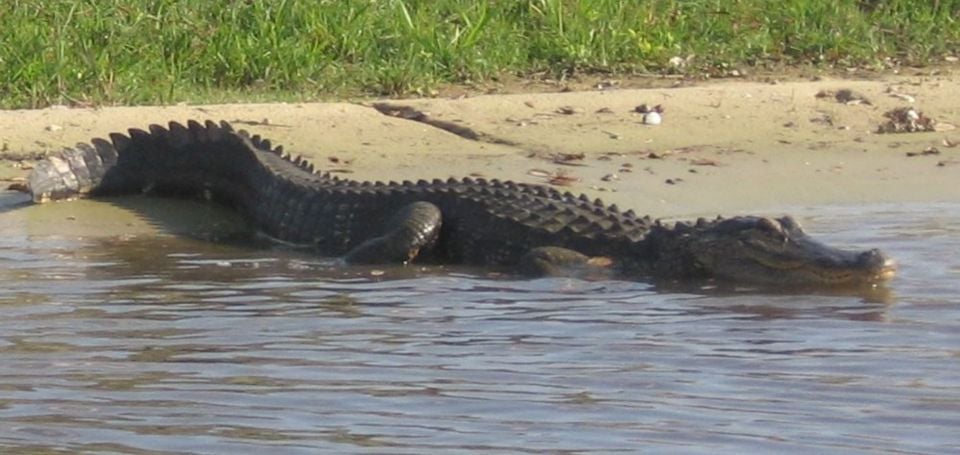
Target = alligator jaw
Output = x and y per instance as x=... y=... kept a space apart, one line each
x=826 y=266
x=775 y=252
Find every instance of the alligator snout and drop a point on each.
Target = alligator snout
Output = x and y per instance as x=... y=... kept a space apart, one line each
x=881 y=265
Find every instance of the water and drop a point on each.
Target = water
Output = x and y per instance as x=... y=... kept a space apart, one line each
x=163 y=344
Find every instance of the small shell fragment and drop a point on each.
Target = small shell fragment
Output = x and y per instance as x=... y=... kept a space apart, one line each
x=652 y=118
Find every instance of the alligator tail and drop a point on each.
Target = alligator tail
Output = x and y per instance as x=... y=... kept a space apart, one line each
x=72 y=172
x=195 y=158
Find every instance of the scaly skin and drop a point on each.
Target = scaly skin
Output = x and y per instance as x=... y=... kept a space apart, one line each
x=469 y=221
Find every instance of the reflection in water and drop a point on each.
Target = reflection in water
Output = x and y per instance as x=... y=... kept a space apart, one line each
x=172 y=345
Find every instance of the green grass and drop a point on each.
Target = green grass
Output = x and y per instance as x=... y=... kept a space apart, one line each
x=166 y=51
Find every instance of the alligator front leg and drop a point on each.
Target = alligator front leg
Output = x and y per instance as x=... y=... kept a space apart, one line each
x=413 y=229
x=557 y=261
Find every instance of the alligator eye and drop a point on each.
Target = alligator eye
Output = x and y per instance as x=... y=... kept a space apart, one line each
x=769 y=225
x=773 y=229
x=789 y=224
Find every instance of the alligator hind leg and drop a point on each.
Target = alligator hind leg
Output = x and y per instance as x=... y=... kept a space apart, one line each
x=557 y=261
x=412 y=230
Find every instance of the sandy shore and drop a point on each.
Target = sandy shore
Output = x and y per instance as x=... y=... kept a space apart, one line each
x=722 y=147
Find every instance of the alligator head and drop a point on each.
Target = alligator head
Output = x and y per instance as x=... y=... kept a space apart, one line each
x=768 y=252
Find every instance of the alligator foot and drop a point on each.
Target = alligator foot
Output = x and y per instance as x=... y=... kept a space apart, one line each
x=557 y=261
x=412 y=230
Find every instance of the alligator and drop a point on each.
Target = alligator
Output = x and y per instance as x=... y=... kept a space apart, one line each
x=532 y=228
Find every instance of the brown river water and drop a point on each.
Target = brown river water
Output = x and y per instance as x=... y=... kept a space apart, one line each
x=172 y=345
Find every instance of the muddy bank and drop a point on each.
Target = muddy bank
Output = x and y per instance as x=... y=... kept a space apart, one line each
x=727 y=147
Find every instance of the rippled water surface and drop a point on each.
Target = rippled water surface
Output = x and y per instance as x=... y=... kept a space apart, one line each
x=170 y=345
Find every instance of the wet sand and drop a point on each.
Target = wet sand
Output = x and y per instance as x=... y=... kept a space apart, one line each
x=728 y=147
